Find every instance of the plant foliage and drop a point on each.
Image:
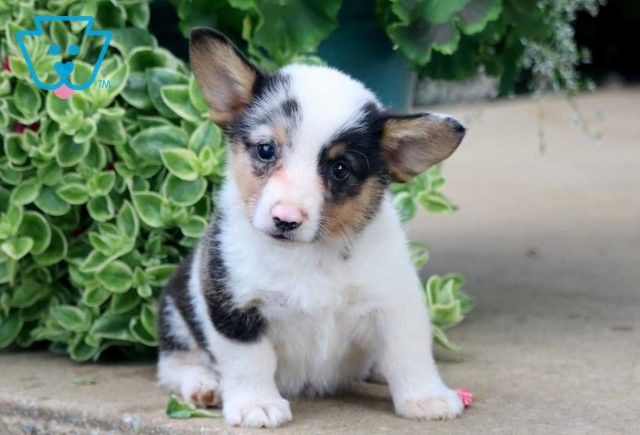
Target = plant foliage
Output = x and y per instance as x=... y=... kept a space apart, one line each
x=102 y=194
x=450 y=40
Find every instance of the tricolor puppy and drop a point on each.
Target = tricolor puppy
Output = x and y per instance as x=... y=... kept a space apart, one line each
x=303 y=282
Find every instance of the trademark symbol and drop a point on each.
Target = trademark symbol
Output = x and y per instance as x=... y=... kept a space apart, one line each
x=104 y=84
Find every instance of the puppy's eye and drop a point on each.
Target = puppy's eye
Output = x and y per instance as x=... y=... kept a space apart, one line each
x=340 y=171
x=266 y=151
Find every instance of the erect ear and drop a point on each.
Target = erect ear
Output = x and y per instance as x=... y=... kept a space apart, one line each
x=225 y=76
x=413 y=143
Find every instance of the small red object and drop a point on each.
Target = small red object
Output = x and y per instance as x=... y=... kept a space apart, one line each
x=5 y=64
x=466 y=397
x=20 y=128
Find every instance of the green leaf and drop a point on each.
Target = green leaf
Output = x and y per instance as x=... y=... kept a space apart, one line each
x=37 y=228
x=55 y=252
x=405 y=205
x=50 y=175
x=28 y=293
x=207 y=135
x=25 y=192
x=157 y=78
x=184 y=193
x=441 y=339
x=436 y=25
x=110 y=131
x=150 y=142
x=149 y=206
x=195 y=227
x=285 y=29
x=10 y=327
x=79 y=350
x=181 y=162
x=17 y=247
x=127 y=221
x=176 y=97
x=196 y=97
x=141 y=334
x=13 y=148
x=183 y=410
x=74 y=194
x=95 y=296
x=138 y=14
x=419 y=254
x=70 y=153
x=148 y=318
x=101 y=184
x=100 y=208
x=159 y=275
x=72 y=318
x=27 y=99
x=50 y=202
x=436 y=202
x=124 y=302
x=129 y=38
x=7 y=271
x=112 y=326
x=135 y=91
x=117 y=277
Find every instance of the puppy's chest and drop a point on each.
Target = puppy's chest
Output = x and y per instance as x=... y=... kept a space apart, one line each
x=319 y=350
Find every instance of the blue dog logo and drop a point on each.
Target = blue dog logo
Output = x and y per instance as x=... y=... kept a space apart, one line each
x=63 y=88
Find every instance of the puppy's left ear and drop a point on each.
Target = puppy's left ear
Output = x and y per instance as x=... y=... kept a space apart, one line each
x=413 y=143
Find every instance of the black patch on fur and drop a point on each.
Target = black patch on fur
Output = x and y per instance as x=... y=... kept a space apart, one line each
x=177 y=288
x=237 y=323
x=363 y=154
x=290 y=108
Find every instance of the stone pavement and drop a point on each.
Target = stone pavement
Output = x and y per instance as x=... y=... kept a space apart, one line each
x=548 y=236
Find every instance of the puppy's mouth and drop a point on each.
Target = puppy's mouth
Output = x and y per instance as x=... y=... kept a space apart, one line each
x=283 y=236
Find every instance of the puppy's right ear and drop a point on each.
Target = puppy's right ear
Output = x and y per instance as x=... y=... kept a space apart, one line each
x=225 y=76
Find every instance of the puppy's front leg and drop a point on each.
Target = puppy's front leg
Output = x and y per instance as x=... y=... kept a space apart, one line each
x=250 y=397
x=407 y=362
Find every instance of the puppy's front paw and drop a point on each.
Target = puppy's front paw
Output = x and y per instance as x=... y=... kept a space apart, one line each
x=442 y=405
x=257 y=413
x=202 y=392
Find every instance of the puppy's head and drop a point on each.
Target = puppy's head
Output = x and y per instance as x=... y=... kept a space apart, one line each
x=311 y=150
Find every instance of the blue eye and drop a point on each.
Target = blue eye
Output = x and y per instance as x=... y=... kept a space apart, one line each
x=266 y=152
x=54 y=49
x=73 y=49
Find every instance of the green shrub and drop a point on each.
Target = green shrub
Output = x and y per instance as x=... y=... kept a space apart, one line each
x=450 y=40
x=103 y=193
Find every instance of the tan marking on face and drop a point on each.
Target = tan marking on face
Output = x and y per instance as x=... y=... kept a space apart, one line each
x=249 y=184
x=280 y=133
x=336 y=150
x=350 y=215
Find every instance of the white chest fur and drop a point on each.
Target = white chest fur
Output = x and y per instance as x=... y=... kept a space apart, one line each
x=319 y=302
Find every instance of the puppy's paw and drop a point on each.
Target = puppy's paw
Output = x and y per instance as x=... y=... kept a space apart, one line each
x=257 y=413
x=202 y=392
x=444 y=404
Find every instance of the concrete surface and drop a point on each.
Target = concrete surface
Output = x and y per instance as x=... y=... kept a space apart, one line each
x=548 y=236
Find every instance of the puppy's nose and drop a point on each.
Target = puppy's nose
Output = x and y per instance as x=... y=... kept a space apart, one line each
x=286 y=217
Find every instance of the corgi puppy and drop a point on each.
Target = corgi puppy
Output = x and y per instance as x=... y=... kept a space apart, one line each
x=303 y=283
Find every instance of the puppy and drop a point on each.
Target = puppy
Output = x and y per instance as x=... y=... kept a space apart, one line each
x=303 y=282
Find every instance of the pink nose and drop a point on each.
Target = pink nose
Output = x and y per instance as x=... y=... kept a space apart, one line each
x=286 y=217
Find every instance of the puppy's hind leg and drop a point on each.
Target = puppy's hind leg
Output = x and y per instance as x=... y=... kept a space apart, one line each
x=190 y=374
